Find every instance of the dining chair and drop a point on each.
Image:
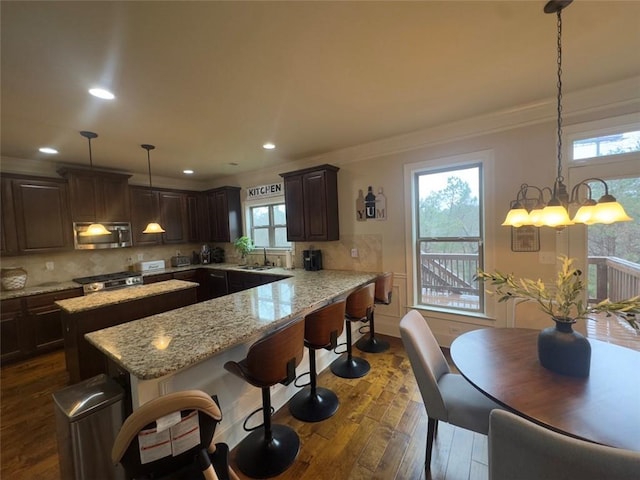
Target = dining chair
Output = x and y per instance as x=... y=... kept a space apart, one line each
x=524 y=450
x=172 y=437
x=447 y=396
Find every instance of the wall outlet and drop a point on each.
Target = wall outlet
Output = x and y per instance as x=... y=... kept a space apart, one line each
x=140 y=257
x=178 y=253
x=48 y=266
x=354 y=252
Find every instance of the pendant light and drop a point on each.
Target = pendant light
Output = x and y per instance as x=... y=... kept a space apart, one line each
x=94 y=229
x=152 y=227
x=554 y=213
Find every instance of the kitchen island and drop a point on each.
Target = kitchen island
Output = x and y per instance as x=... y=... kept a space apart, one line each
x=187 y=347
x=96 y=311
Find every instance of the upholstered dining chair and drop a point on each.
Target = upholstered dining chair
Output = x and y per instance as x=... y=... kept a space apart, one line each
x=447 y=396
x=172 y=437
x=524 y=450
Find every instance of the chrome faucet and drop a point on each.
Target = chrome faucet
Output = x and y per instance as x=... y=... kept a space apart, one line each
x=266 y=262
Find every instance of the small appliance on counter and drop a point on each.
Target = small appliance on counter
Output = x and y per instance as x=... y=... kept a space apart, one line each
x=150 y=266
x=217 y=255
x=180 y=261
x=312 y=260
x=205 y=254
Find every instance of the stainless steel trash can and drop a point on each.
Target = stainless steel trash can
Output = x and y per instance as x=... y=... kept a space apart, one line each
x=89 y=415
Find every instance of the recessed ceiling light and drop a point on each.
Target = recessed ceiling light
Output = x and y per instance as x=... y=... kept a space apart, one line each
x=188 y=172
x=49 y=150
x=268 y=146
x=102 y=93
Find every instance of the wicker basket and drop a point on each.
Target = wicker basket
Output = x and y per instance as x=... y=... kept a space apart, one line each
x=13 y=278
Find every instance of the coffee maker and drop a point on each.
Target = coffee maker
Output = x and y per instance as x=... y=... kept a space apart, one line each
x=312 y=260
x=205 y=254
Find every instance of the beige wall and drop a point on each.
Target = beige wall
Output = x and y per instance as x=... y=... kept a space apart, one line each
x=523 y=142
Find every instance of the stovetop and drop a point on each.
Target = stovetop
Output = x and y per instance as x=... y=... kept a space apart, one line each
x=106 y=277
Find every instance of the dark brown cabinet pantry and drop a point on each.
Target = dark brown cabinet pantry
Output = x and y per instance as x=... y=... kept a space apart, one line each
x=311 y=199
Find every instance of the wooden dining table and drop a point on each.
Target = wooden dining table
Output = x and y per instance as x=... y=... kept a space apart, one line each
x=604 y=407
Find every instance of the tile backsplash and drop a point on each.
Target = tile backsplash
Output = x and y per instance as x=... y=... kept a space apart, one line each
x=64 y=266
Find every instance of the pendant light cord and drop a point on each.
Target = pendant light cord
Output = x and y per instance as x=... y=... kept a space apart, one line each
x=559 y=175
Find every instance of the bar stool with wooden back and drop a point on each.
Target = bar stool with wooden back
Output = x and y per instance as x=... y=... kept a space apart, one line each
x=359 y=308
x=321 y=330
x=371 y=344
x=270 y=449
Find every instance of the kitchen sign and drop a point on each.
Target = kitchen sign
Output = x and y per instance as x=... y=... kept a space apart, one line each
x=264 y=191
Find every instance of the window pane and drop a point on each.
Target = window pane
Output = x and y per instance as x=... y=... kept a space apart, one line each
x=606 y=145
x=279 y=215
x=448 y=204
x=260 y=216
x=261 y=237
x=446 y=271
x=281 y=237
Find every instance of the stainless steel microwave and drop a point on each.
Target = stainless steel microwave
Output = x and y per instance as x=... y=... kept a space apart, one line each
x=119 y=236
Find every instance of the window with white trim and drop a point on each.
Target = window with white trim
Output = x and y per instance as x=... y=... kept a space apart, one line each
x=448 y=236
x=268 y=225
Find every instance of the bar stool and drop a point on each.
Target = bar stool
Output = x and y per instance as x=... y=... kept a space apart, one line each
x=359 y=308
x=269 y=449
x=371 y=344
x=321 y=330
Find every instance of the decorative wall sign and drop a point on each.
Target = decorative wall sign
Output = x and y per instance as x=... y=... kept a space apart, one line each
x=525 y=239
x=371 y=206
x=264 y=191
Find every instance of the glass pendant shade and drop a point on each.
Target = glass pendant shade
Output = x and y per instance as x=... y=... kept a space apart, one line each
x=555 y=215
x=608 y=210
x=585 y=213
x=153 y=227
x=535 y=216
x=95 y=229
x=517 y=217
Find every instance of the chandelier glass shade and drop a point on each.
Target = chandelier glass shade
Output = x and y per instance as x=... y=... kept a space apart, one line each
x=152 y=227
x=532 y=209
x=94 y=229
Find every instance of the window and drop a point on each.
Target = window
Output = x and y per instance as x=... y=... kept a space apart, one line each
x=449 y=237
x=268 y=225
x=606 y=145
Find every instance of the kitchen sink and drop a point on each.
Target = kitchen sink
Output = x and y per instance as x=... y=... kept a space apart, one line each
x=256 y=267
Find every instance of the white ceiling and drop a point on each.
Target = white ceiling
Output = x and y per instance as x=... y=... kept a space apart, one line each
x=209 y=82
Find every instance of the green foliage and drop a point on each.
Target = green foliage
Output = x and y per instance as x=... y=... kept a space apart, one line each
x=563 y=299
x=244 y=245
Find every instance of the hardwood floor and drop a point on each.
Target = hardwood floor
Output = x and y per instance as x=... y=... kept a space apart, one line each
x=379 y=431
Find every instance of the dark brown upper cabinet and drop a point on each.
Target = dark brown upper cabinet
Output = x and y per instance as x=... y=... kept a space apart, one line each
x=41 y=215
x=98 y=196
x=197 y=217
x=311 y=200
x=173 y=216
x=225 y=214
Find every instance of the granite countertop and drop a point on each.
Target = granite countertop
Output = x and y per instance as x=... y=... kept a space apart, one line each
x=122 y=295
x=50 y=287
x=168 y=342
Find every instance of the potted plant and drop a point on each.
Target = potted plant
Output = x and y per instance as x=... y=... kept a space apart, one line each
x=244 y=245
x=560 y=348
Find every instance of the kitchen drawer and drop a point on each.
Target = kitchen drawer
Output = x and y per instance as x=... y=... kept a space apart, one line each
x=46 y=301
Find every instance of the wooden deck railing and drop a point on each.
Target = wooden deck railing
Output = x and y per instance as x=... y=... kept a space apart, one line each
x=443 y=273
x=616 y=279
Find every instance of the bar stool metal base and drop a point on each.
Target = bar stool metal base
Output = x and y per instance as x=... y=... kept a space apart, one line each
x=372 y=345
x=314 y=408
x=258 y=457
x=353 y=367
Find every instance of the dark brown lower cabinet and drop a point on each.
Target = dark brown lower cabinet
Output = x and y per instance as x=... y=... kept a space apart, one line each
x=83 y=359
x=32 y=325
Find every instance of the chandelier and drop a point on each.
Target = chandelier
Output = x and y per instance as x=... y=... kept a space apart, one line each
x=555 y=212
